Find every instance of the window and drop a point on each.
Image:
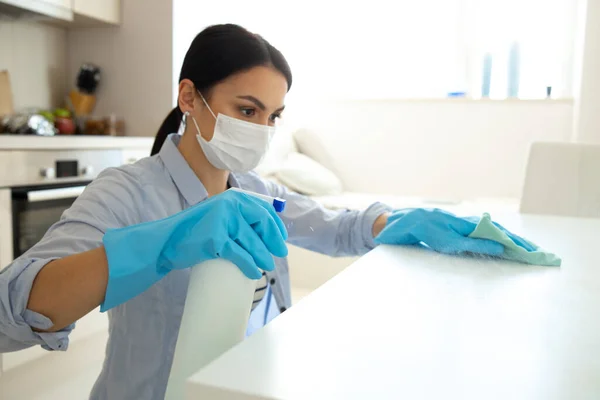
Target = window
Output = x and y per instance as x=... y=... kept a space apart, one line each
x=543 y=30
x=403 y=48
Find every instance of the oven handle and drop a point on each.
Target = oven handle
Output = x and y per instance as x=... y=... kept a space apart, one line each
x=54 y=194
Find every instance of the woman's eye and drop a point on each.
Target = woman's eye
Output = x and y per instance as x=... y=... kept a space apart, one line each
x=274 y=117
x=248 y=112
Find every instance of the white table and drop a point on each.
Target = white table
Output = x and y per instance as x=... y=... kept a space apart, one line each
x=405 y=323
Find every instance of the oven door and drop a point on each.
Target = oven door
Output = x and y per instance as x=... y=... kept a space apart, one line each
x=36 y=208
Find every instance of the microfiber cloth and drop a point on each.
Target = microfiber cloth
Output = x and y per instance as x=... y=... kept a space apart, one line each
x=486 y=229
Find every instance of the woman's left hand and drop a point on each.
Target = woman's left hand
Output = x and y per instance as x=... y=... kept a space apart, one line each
x=440 y=230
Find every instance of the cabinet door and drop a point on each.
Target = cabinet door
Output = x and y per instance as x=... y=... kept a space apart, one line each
x=59 y=3
x=56 y=9
x=102 y=10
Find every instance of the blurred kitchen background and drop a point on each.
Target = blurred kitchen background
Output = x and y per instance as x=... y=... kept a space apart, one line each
x=45 y=43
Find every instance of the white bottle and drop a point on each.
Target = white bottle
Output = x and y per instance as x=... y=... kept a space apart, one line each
x=215 y=317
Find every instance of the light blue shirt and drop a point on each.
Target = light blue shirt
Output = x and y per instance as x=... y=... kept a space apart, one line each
x=143 y=331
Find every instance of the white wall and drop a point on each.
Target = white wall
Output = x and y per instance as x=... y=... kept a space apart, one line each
x=587 y=110
x=36 y=57
x=450 y=149
x=136 y=62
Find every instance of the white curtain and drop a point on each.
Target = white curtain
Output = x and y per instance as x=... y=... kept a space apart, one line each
x=402 y=48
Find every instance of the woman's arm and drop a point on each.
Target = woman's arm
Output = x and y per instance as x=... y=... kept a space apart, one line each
x=64 y=276
x=313 y=227
x=380 y=223
x=69 y=288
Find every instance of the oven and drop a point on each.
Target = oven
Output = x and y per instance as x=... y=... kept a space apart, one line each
x=37 y=186
x=36 y=208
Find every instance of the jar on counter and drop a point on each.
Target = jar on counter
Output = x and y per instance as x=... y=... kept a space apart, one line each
x=114 y=126
x=109 y=126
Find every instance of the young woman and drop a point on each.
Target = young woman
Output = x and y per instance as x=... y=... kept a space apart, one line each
x=129 y=240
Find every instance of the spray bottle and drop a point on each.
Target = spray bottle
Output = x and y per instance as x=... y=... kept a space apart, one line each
x=215 y=317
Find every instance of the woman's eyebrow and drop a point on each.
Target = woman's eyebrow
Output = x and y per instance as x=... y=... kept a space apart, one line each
x=253 y=99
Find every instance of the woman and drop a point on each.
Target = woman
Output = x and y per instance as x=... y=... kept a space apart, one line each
x=128 y=241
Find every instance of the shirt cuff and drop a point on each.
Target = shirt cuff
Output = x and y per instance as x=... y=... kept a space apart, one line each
x=370 y=216
x=16 y=320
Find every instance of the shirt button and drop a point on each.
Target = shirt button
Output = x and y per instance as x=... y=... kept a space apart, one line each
x=282 y=309
x=272 y=281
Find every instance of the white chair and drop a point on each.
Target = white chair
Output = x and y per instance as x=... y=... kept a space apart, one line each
x=562 y=179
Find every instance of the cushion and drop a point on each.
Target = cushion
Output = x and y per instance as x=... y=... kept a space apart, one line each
x=311 y=144
x=306 y=176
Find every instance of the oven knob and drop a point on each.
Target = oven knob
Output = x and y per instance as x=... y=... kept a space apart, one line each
x=87 y=170
x=49 y=173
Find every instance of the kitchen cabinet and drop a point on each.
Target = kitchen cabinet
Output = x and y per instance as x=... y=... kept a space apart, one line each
x=59 y=3
x=103 y=11
x=59 y=10
x=67 y=13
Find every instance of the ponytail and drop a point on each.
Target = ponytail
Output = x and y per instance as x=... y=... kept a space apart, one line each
x=169 y=125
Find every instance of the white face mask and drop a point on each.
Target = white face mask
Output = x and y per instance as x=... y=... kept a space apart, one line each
x=236 y=145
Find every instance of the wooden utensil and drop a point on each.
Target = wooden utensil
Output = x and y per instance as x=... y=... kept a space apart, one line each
x=6 y=96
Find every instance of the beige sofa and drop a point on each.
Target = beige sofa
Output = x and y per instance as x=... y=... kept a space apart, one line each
x=310 y=270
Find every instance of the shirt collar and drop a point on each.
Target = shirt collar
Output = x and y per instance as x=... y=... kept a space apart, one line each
x=183 y=176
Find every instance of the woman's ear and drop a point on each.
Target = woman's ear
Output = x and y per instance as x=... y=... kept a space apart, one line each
x=187 y=94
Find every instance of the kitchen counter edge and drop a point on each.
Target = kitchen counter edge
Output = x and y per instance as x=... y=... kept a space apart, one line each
x=68 y=142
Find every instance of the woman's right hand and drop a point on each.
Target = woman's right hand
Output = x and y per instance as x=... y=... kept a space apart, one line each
x=235 y=226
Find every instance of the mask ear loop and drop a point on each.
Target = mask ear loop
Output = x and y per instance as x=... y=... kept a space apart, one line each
x=197 y=127
x=206 y=104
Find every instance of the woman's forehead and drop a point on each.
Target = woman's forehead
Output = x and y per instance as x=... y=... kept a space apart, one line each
x=265 y=83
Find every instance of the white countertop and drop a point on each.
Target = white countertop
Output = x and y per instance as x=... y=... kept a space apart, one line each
x=405 y=323
x=65 y=142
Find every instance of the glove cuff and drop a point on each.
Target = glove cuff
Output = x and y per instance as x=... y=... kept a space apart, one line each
x=131 y=266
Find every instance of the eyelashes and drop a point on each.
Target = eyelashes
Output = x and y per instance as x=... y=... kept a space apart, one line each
x=250 y=112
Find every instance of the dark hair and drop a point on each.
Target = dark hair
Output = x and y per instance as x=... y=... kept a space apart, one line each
x=216 y=53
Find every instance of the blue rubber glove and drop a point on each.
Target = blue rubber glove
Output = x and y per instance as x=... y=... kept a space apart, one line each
x=235 y=226
x=440 y=230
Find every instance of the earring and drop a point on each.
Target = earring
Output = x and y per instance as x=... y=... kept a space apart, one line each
x=183 y=123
